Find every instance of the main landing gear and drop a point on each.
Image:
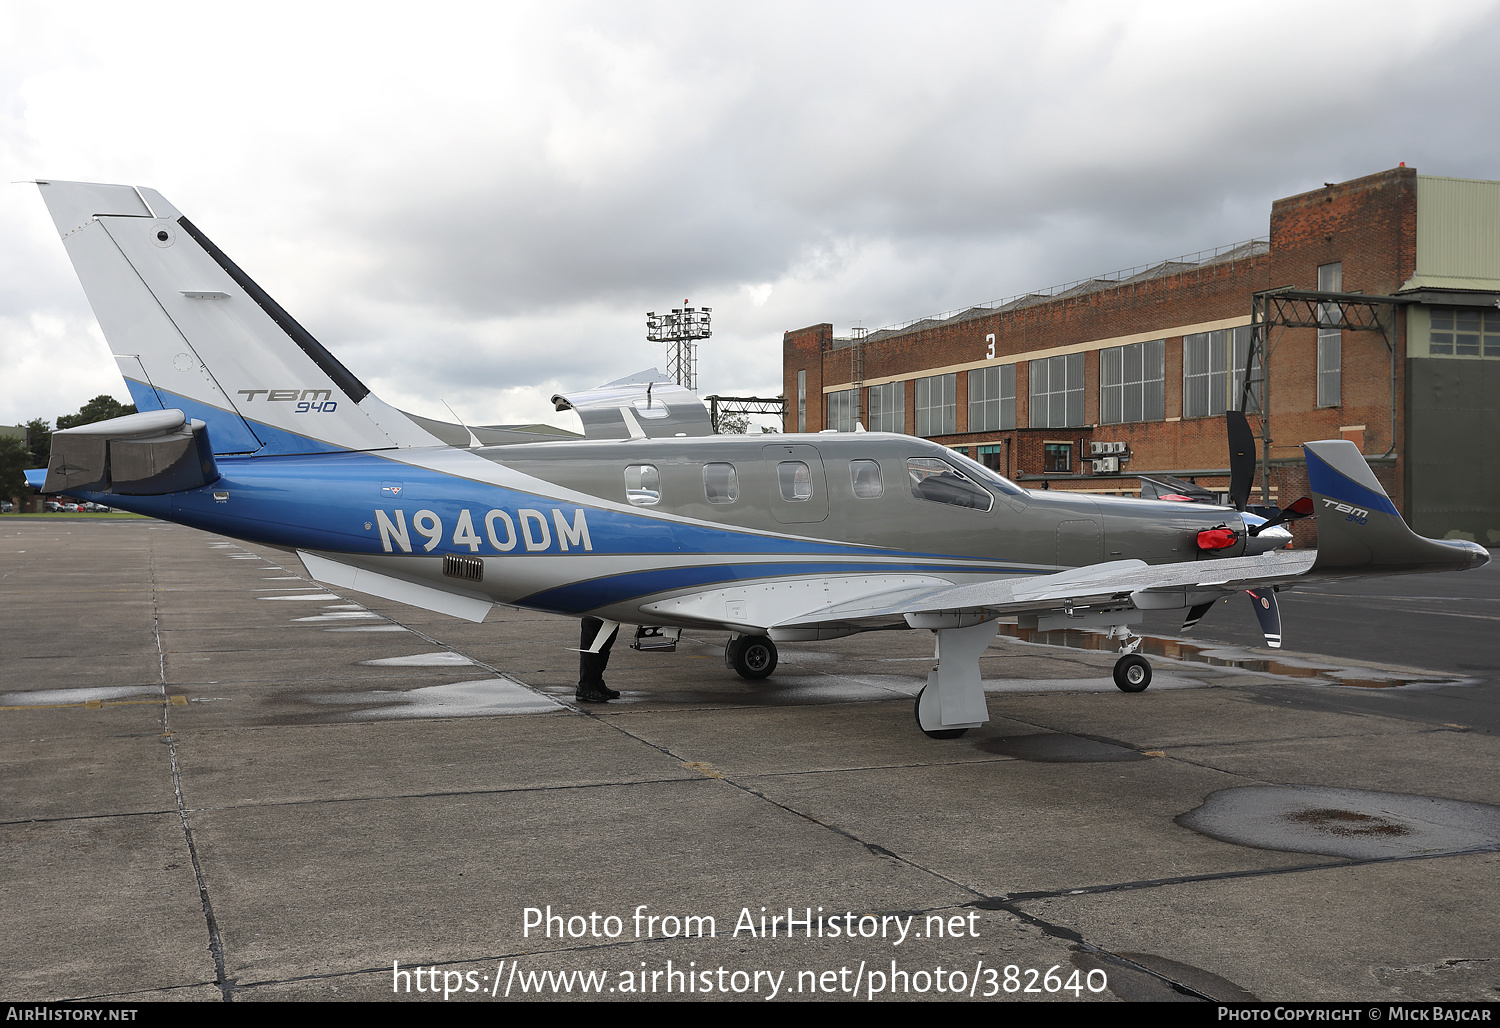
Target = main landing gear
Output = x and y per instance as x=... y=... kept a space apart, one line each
x=952 y=701
x=1132 y=671
x=752 y=657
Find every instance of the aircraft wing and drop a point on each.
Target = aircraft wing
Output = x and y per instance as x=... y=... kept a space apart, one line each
x=813 y=607
x=1118 y=584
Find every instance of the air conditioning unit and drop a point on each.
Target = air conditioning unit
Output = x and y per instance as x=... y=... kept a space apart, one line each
x=1095 y=449
x=1106 y=465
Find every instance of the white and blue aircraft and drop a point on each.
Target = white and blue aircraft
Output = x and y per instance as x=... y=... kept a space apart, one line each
x=248 y=427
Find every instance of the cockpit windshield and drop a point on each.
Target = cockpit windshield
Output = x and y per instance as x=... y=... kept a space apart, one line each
x=986 y=475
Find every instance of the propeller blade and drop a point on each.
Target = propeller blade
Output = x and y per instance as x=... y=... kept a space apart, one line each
x=1268 y=613
x=1196 y=615
x=1302 y=508
x=1241 y=458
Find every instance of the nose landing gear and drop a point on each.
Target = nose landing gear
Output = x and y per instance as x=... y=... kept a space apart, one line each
x=1132 y=673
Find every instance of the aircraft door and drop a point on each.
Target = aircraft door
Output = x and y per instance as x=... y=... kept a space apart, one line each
x=799 y=488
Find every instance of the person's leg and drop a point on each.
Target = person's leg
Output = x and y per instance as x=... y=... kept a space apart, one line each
x=591 y=687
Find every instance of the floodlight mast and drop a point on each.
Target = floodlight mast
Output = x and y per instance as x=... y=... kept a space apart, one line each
x=680 y=330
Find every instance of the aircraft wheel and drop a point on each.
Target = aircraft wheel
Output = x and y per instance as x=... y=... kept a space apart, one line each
x=1132 y=673
x=941 y=733
x=753 y=657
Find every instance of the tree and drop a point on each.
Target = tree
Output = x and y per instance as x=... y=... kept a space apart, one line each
x=100 y=408
x=39 y=442
x=733 y=424
x=15 y=458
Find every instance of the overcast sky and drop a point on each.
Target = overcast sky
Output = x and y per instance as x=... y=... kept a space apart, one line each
x=479 y=202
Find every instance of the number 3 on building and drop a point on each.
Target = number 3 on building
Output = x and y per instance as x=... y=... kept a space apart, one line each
x=990 y=353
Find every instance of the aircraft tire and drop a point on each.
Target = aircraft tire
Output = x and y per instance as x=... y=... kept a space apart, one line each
x=753 y=657
x=941 y=733
x=1132 y=673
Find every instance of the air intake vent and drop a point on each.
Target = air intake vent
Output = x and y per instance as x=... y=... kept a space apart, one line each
x=468 y=568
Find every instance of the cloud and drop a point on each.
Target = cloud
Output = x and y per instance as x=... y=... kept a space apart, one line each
x=481 y=204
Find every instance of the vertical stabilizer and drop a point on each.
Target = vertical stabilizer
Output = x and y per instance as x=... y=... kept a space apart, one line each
x=191 y=331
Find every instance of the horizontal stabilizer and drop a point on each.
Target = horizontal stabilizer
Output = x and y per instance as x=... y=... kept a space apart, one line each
x=469 y=606
x=1359 y=528
x=147 y=454
x=646 y=405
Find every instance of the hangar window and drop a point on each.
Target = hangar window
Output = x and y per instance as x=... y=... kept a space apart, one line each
x=865 y=476
x=1330 y=338
x=887 y=408
x=720 y=483
x=1464 y=333
x=1057 y=391
x=941 y=482
x=795 y=480
x=840 y=411
x=992 y=398
x=1213 y=370
x=802 y=401
x=1132 y=383
x=937 y=408
x=642 y=485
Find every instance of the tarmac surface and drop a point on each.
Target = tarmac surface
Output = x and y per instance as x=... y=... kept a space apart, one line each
x=220 y=781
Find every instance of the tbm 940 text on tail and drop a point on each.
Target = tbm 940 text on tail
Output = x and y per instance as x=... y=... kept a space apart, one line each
x=250 y=428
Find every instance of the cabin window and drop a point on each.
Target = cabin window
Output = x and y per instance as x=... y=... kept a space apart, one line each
x=941 y=482
x=642 y=485
x=795 y=480
x=865 y=475
x=720 y=483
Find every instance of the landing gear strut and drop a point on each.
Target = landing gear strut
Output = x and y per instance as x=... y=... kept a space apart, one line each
x=752 y=657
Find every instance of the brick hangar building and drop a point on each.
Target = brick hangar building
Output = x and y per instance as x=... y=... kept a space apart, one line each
x=1376 y=300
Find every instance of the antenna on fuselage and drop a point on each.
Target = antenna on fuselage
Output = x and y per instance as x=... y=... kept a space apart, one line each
x=473 y=439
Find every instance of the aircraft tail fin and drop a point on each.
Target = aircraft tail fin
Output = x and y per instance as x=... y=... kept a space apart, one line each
x=1359 y=528
x=192 y=332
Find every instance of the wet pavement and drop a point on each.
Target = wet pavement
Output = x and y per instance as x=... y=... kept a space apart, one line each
x=219 y=780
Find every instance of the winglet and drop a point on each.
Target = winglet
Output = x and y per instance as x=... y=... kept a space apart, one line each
x=1359 y=527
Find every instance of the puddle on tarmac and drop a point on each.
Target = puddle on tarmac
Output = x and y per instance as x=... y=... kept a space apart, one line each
x=369 y=628
x=51 y=697
x=461 y=699
x=1344 y=822
x=1222 y=655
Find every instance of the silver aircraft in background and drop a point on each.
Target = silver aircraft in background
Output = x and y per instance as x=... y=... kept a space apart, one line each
x=248 y=427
